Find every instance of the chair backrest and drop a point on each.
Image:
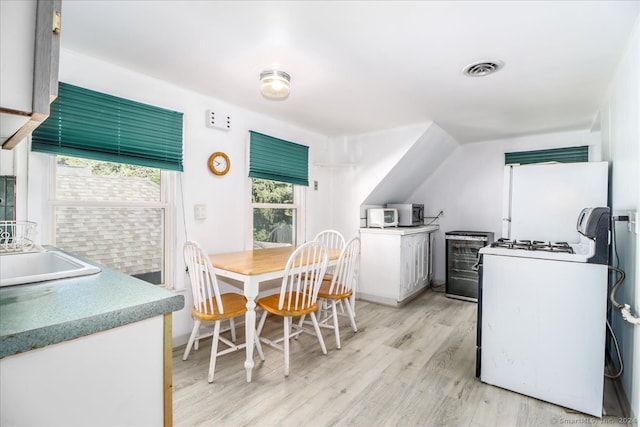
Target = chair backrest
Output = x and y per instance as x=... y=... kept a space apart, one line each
x=303 y=276
x=204 y=285
x=346 y=274
x=331 y=239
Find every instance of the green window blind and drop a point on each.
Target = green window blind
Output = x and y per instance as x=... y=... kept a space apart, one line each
x=94 y=125
x=278 y=160
x=561 y=155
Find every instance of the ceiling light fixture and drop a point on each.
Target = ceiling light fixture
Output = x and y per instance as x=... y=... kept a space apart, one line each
x=274 y=84
x=482 y=68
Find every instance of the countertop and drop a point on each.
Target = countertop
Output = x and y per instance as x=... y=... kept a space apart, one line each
x=401 y=230
x=39 y=314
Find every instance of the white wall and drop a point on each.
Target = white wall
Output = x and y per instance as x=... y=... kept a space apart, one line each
x=227 y=198
x=356 y=165
x=468 y=185
x=620 y=123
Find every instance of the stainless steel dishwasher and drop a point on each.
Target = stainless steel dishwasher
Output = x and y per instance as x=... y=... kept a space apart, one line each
x=461 y=257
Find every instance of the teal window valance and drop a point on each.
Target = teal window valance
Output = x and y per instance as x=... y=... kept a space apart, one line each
x=278 y=160
x=561 y=155
x=94 y=125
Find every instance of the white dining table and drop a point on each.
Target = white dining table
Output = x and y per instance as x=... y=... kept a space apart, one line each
x=253 y=267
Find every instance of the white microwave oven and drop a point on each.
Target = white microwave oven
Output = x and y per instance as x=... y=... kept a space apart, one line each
x=382 y=217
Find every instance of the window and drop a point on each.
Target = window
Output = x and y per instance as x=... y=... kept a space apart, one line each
x=278 y=172
x=114 y=179
x=276 y=213
x=117 y=214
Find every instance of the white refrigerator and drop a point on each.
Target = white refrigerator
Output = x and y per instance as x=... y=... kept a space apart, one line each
x=542 y=201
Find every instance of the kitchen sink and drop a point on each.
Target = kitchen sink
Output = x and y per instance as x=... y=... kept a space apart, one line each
x=30 y=267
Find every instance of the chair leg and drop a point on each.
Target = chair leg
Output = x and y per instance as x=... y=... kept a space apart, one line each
x=352 y=317
x=232 y=326
x=214 y=351
x=318 y=333
x=336 y=329
x=287 y=321
x=352 y=301
x=300 y=324
x=261 y=323
x=192 y=337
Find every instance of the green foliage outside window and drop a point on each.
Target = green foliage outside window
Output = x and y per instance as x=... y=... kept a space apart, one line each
x=273 y=224
x=112 y=169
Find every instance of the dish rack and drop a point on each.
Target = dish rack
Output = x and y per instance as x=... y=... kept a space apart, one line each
x=17 y=236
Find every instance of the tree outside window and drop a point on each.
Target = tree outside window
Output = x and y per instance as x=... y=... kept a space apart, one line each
x=274 y=213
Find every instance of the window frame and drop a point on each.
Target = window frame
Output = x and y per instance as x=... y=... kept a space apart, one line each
x=299 y=204
x=167 y=202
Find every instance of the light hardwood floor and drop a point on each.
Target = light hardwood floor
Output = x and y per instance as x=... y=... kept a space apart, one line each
x=409 y=366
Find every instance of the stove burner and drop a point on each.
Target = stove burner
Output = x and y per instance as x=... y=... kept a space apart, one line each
x=536 y=245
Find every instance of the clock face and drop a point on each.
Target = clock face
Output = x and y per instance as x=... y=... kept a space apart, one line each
x=219 y=163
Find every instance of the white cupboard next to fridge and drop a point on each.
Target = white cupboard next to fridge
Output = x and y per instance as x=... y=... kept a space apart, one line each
x=396 y=263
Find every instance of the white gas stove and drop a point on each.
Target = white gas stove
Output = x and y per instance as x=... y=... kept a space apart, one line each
x=541 y=316
x=558 y=251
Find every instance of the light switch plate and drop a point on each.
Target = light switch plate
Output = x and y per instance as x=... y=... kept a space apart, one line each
x=200 y=212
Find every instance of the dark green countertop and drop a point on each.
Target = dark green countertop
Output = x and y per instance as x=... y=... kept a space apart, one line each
x=39 y=314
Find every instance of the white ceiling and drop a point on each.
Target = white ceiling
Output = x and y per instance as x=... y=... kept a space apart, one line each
x=362 y=66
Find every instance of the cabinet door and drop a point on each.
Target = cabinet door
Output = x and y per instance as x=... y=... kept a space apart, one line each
x=415 y=264
x=408 y=267
x=423 y=258
x=17 y=41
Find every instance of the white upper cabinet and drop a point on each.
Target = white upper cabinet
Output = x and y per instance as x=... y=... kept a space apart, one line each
x=29 y=52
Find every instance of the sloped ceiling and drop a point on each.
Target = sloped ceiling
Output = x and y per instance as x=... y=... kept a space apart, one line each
x=419 y=162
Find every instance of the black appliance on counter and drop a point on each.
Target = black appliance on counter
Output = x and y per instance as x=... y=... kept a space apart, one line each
x=462 y=258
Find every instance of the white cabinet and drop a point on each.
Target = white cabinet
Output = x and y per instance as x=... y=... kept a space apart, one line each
x=111 y=378
x=29 y=54
x=396 y=264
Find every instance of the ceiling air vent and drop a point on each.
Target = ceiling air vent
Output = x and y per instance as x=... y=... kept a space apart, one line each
x=483 y=68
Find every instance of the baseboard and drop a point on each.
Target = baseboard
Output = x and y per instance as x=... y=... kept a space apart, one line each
x=391 y=302
x=625 y=405
x=179 y=340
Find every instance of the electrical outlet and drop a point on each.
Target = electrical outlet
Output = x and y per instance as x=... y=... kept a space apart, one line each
x=633 y=222
x=218 y=121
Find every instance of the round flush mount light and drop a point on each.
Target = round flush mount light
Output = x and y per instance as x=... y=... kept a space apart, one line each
x=482 y=68
x=274 y=84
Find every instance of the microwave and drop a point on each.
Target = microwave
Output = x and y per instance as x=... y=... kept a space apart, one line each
x=409 y=214
x=382 y=217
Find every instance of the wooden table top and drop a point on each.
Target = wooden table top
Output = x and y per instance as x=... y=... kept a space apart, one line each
x=258 y=261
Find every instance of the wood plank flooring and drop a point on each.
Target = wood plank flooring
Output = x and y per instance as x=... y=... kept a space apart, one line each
x=409 y=366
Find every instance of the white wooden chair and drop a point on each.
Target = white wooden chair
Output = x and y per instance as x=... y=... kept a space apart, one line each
x=211 y=306
x=298 y=296
x=331 y=239
x=340 y=287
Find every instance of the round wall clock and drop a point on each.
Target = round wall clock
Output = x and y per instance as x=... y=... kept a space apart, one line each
x=219 y=163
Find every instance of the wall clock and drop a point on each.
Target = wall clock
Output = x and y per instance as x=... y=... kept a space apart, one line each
x=219 y=163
